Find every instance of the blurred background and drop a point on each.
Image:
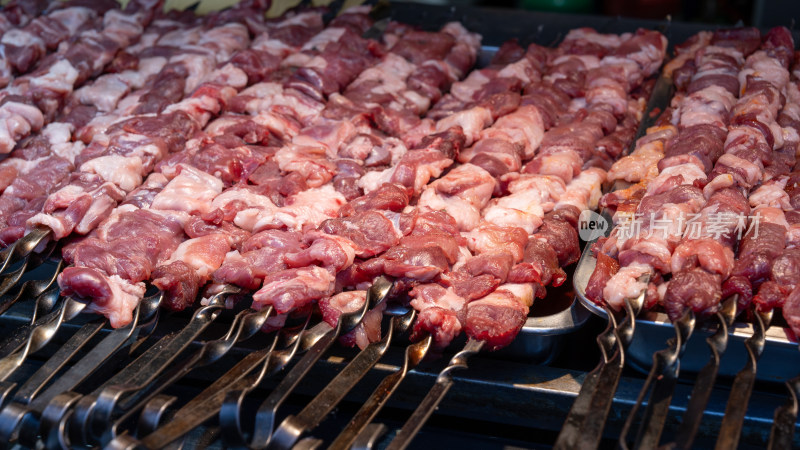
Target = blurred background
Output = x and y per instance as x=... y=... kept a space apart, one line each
x=759 y=13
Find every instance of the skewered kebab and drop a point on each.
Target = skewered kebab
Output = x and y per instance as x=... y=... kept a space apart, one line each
x=590 y=409
x=639 y=166
x=317 y=355
x=713 y=233
x=33 y=99
x=139 y=200
x=585 y=189
x=328 y=318
x=74 y=308
x=786 y=416
x=24 y=46
x=40 y=177
x=46 y=164
x=768 y=40
x=17 y=14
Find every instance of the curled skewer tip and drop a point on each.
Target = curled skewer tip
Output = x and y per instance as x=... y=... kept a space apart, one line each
x=40 y=335
x=459 y=360
x=23 y=247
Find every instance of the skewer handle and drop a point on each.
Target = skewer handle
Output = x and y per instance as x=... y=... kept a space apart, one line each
x=443 y=384
x=742 y=387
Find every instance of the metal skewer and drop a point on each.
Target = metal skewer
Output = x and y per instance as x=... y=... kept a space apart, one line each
x=293 y=427
x=10 y=279
x=782 y=432
x=29 y=404
x=47 y=296
x=580 y=409
x=207 y=404
x=717 y=344
x=141 y=371
x=443 y=384
x=742 y=387
x=413 y=356
x=40 y=335
x=23 y=247
x=661 y=384
x=128 y=399
x=608 y=379
x=230 y=413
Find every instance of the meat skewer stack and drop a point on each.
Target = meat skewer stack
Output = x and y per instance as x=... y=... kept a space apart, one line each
x=224 y=46
x=776 y=51
x=33 y=99
x=41 y=167
x=154 y=200
x=587 y=418
x=17 y=14
x=35 y=36
x=320 y=164
x=138 y=198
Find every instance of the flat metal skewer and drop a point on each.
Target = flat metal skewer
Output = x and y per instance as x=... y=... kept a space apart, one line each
x=207 y=404
x=782 y=433
x=568 y=436
x=443 y=384
x=660 y=383
x=40 y=335
x=144 y=369
x=29 y=403
x=293 y=427
x=130 y=399
x=126 y=400
x=591 y=431
x=742 y=387
x=10 y=279
x=47 y=296
x=23 y=247
x=413 y=356
x=701 y=392
x=230 y=413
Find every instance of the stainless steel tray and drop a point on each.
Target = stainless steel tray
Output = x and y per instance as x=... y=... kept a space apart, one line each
x=540 y=339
